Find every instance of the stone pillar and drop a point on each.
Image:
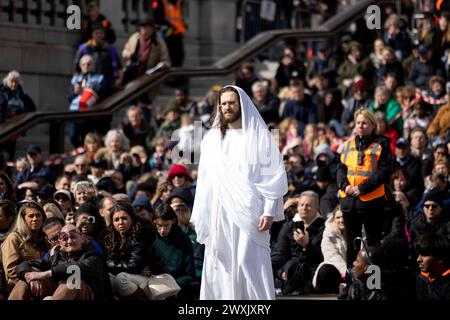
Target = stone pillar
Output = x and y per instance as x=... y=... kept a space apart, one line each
x=211 y=33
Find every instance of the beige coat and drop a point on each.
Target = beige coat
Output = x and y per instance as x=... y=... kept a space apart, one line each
x=13 y=254
x=158 y=52
x=441 y=122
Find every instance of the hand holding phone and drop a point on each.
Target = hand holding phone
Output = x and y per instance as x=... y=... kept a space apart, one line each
x=299 y=225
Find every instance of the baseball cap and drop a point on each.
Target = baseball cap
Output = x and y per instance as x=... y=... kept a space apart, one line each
x=34 y=149
x=423 y=48
x=402 y=142
x=64 y=192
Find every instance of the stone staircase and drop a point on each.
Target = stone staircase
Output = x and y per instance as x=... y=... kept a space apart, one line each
x=39 y=134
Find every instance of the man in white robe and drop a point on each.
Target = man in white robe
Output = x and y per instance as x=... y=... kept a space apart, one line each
x=240 y=187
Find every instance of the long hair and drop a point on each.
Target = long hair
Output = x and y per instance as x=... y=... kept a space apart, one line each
x=21 y=226
x=125 y=143
x=166 y=213
x=332 y=216
x=9 y=187
x=114 y=243
x=54 y=209
x=223 y=125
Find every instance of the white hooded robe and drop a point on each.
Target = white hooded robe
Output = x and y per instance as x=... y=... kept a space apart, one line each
x=240 y=178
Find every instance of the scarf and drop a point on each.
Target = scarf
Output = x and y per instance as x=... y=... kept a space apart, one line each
x=144 y=53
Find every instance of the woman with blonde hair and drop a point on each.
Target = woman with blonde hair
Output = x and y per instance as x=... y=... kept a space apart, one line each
x=334 y=248
x=364 y=169
x=92 y=143
x=52 y=210
x=310 y=140
x=26 y=240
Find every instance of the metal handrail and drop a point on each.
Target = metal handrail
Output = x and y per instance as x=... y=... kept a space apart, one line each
x=224 y=66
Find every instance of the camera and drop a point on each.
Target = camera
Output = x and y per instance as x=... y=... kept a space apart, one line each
x=360 y=158
x=299 y=225
x=90 y=219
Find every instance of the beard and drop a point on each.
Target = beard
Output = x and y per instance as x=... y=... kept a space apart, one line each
x=234 y=116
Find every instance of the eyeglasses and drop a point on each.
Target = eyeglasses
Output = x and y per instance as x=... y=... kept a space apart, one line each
x=64 y=236
x=54 y=238
x=80 y=165
x=430 y=206
x=180 y=175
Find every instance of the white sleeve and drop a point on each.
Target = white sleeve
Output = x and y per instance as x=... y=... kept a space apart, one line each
x=273 y=208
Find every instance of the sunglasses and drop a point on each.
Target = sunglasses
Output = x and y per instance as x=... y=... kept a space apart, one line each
x=28 y=203
x=62 y=199
x=64 y=236
x=430 y=206
x=180 y=175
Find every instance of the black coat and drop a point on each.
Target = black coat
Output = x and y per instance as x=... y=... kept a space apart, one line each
x=134 y=256
x=286 y=250
x=419 y=226
x=439 y=289
x=92 y=265
x=413 y=168
x=329 y=200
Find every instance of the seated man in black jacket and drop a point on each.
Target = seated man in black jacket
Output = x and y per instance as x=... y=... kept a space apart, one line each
x=433 y=282
x=297 y=252
x=75 y=272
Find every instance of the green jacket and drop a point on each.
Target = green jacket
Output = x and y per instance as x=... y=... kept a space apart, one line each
x=173 y=254
x=393 y=114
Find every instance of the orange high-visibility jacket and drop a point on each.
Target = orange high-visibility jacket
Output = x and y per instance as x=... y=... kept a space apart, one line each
x=174 y=15
x=358 y=174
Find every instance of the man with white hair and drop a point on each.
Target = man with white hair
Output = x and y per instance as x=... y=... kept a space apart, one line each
x=266 y=103
x=86 y=88
x=240 y=188
x=297 y=249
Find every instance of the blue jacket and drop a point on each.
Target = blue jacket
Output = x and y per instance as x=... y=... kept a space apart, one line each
x=93 y=81
x=304 y=111
x=42 y=172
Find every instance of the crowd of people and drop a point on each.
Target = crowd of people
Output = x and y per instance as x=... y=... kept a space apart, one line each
x=364 y=132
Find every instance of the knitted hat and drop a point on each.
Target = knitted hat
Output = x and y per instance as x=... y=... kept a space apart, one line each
x=435 y=196
x=143 y=202
x=176 y=170
x=183 y=193
x=361 y=84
